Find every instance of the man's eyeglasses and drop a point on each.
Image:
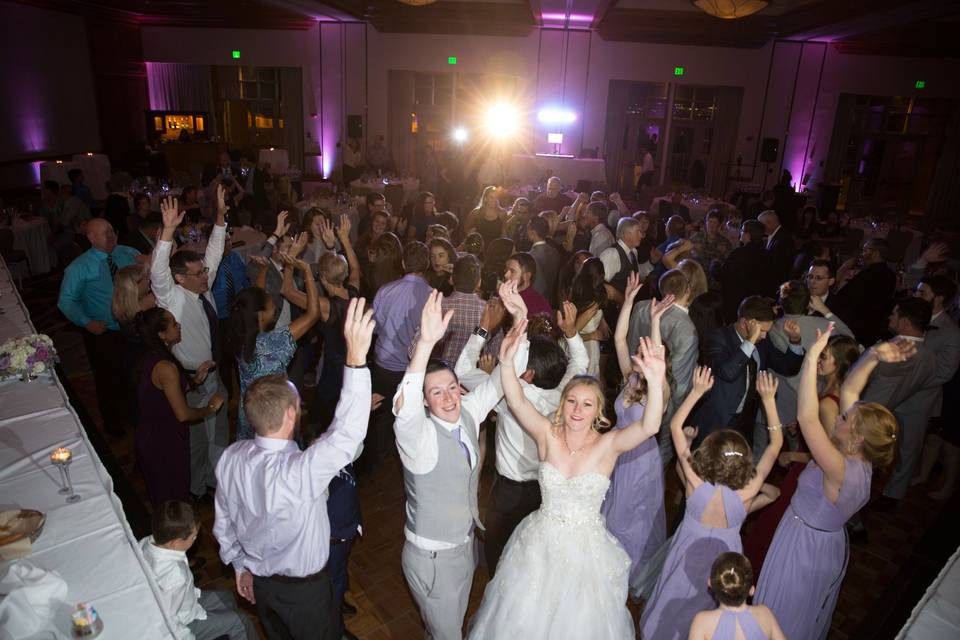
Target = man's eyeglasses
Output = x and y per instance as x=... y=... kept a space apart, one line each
x=202 y=272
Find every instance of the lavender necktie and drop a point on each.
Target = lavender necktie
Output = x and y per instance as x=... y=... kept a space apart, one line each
x=463 y=445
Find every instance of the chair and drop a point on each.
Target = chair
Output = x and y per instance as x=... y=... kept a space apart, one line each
x=852 y=237
x=898 y=240
x=13 y=257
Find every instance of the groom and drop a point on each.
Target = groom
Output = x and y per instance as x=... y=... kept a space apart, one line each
x=438 y=440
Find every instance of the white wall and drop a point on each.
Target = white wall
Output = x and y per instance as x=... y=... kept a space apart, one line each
x=797 y=106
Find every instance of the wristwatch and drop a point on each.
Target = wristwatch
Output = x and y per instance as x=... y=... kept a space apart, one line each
x=483 y=333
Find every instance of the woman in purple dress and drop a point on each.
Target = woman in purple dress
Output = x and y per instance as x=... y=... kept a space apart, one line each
x=731 y=581
x=634 y=503
x=722 y=486
x=163 y=438
x=807 y=560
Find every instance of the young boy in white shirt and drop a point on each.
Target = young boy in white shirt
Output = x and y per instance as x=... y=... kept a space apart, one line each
x=196 y=614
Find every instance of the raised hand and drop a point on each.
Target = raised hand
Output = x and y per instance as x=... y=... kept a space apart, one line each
x=821 y=342
x=896 y=350
x=567 y=319
x=282 y=225
x=511 y=300
x=936 y=252
x=511 y=342
x=658 y=309
x=702 y=380
x=615 y=198
x=492 y=316
x=767 y=384
x=433 y=321
x=634 y=284
x=326 y=232
x=343 y=231
x=358 y=332
x=651 y=360
x=172 y=215
x=221 y=204
x=792 y=329
x=299 y=244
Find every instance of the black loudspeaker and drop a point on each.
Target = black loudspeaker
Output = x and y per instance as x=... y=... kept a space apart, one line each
x=355 y=127
x=768 y=150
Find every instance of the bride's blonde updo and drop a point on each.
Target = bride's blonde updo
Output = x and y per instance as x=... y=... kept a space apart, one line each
x=601 y=423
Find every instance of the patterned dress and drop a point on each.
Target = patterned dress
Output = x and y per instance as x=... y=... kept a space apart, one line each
x=273 y=352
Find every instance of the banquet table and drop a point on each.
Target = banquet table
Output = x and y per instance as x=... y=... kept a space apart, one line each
x=251 y=238
x=96 y=172
x=529 y=169
x=30 y=236
x=937 y=615
x=411 y=187
x=698 y=205
x=88 y=543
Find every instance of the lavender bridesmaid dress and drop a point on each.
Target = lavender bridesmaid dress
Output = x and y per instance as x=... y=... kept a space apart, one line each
x=727 y=626
x=634 y=503
x=807 y=560
x=681 y=591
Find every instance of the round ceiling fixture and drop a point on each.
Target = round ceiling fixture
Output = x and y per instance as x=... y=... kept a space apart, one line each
x=417 y=3
x=727 y=9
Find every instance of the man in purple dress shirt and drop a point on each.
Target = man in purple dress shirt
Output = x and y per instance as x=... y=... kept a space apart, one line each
x=271 y=520
x=522 y=269
x=396 y=309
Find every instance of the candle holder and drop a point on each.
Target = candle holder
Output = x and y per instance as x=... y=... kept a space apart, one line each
x=61 y=458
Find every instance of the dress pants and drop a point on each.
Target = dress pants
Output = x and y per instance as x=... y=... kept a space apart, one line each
x=510 y=502
x=440 y=582
x=380 y=439
x=105 y=353
x=913 y=428
x=223 y=619
x=208 y=439
x=296 y=608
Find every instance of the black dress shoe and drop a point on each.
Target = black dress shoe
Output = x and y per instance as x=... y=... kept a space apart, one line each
x=348 y=609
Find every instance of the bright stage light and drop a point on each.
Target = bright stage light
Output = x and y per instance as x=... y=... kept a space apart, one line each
x=550 y=115
x=459 y=134
x=502 y=120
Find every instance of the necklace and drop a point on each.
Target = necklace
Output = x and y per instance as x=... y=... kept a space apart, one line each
x=574 y=452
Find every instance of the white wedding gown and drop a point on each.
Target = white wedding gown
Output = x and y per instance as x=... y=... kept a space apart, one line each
x=562 y=574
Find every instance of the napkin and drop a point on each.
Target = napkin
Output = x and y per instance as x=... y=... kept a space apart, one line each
x=29 y=599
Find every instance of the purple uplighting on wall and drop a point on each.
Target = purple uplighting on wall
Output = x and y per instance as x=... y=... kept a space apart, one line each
x=562 y=17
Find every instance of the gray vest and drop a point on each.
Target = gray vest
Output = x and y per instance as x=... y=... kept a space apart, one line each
x=442 y=504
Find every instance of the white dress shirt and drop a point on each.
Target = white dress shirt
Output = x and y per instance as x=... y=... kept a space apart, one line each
x=517 y=457
x=611 y=260
x=271 y=516
x=417 y=438
x=600 y=239
x=770 y=237
x=194 y=347
x=180 y=598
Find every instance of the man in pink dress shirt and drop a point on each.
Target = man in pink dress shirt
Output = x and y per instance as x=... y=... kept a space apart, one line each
x=271 y=519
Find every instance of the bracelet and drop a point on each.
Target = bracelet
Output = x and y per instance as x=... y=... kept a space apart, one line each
x=774 y=427
x=355 y=366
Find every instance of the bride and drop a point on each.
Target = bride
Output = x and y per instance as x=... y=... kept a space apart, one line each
x=563 y=575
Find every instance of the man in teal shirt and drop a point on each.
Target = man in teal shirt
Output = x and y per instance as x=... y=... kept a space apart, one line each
x=86 y=294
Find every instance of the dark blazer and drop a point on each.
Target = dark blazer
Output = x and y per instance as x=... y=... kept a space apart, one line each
x=866 y=301
x=782 y=253
x=729 y=364
x=548 y=266
x=745 y=272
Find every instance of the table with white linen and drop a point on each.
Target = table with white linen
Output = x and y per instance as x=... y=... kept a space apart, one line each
x=937 y=615
x=278 y=159
x=96 y=172
x=698 y=205
x=88 y=543
x=251 y=239
x=411 y=187
x=30 y=235
x=529 y=169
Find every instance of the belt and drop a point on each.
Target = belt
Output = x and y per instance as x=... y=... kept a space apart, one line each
x=516 y=483
x=810 y=526
x=295 y=579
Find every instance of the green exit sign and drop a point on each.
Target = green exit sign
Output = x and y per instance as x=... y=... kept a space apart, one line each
x=236 y=54
x=452 y=60
x=920 y=84
x=678 y=71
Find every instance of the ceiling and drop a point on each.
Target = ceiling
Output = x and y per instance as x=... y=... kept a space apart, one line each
x=884 y=27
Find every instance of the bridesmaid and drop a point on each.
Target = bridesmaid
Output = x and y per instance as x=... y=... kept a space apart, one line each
x=807 y=560
x=634 y=503
x=731 y=580
x=722 y=486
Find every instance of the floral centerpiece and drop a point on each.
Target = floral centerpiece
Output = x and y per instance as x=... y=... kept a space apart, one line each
x=27 y=356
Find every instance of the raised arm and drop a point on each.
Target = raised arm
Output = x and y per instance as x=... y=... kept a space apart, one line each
x=891 y=351
x=353 y=263
x=623 y=324
x=767 y=388
x=824 y=452
x=218 y=235
x=161 y=279
x=656 y=312
x=702 y=382
x=469 y=375
x=653 y=366
x=537 y=425
x=303 y=324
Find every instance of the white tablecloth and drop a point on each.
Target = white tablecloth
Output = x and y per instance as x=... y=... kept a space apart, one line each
x=88 y=543
x=411 y=187
x=530 y=169
x=937 y=615
x=96 y=172
x=251 y=238
x=278 y=159
x=30 y=236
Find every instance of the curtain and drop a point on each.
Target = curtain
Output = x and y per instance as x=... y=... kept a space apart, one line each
x=179 y=87
x=615 y=130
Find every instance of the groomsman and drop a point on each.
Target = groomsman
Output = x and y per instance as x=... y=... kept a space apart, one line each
x=440 y=451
